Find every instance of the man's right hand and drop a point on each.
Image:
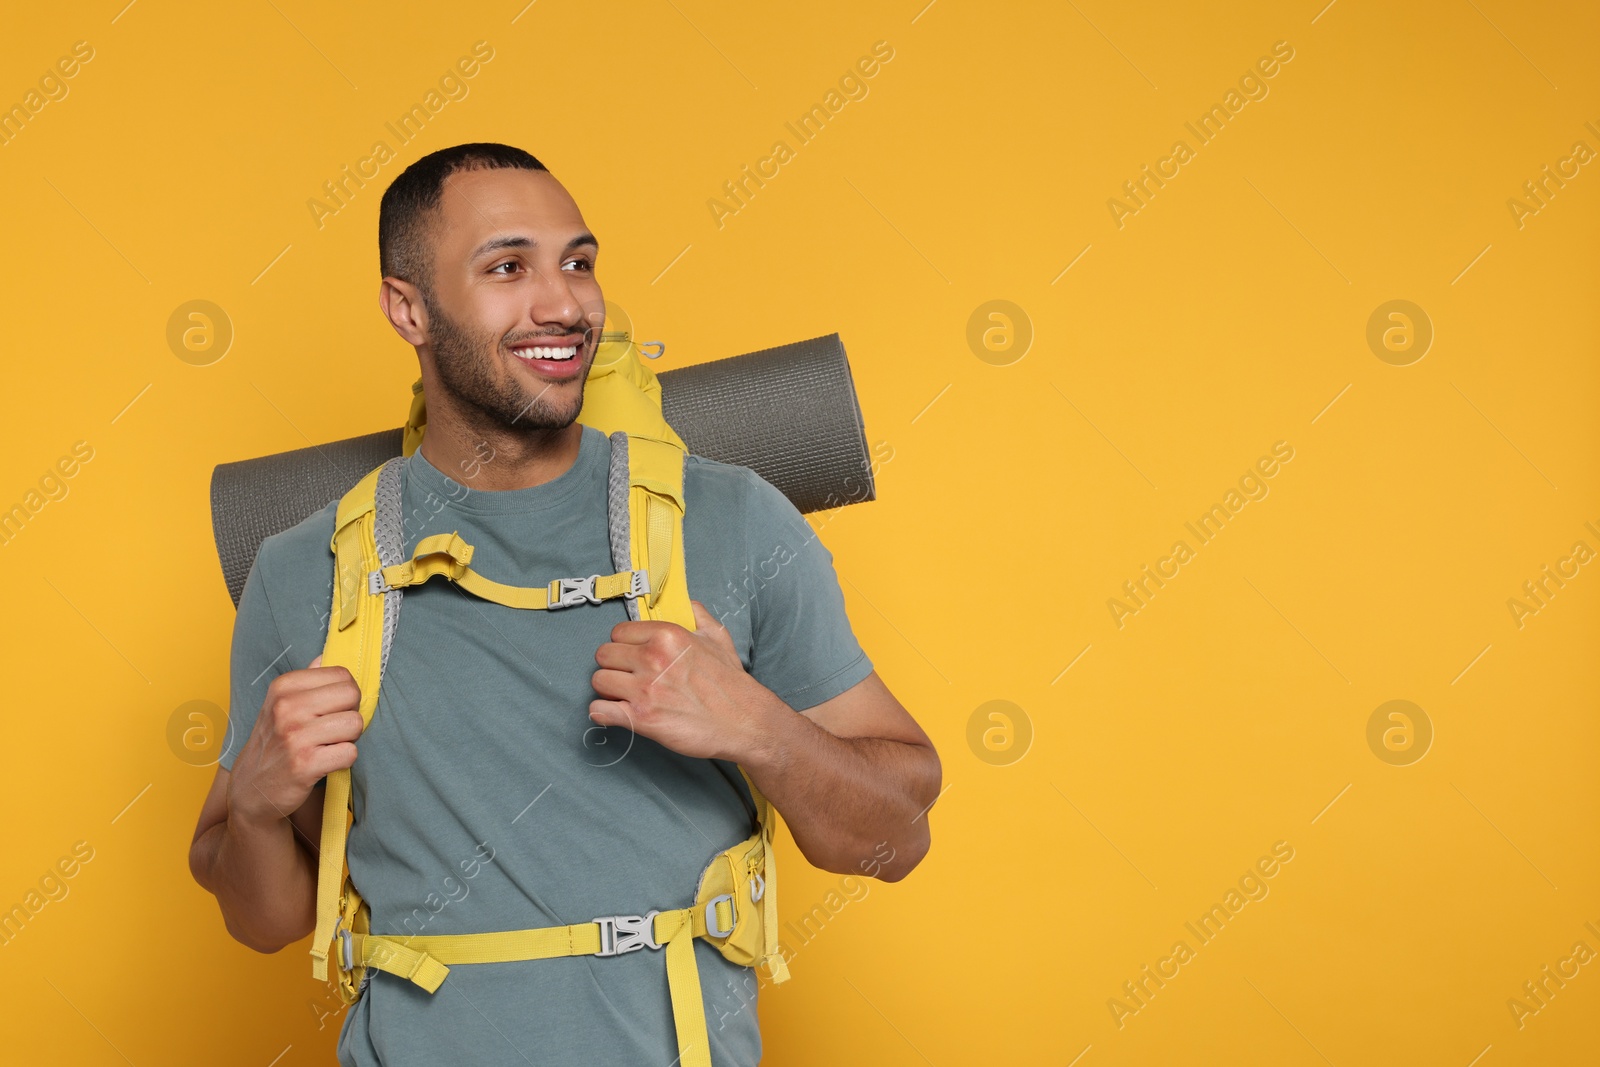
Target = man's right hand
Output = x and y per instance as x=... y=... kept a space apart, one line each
x=255 y=844
x=307 y=728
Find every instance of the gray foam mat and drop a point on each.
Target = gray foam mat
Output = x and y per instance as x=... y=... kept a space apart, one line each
x=788 y=413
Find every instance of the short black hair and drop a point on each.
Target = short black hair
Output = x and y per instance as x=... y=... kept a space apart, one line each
x=411 y=199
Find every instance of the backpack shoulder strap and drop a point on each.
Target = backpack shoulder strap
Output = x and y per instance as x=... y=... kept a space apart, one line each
x=367 y=535
x=645 y=514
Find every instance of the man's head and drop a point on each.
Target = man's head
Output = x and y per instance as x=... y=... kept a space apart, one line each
x=485 y=256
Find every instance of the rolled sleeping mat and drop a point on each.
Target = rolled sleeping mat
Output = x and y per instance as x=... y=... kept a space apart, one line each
x=788 y=413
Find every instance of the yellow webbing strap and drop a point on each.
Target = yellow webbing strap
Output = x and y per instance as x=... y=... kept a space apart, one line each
x=397 y=957
x=423 y=959
x=448 y=555
x=355 y=642
x=683 y=984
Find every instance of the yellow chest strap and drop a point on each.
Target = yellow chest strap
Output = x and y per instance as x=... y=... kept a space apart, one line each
x=448 y=555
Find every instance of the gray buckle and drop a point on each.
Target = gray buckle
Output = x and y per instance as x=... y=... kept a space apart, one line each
x=711 y=915
x=626 y=933
x=346 y=952
x=376 y=584
x=569 y=592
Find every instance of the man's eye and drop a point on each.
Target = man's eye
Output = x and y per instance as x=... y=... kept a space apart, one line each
x=507 y=263
x=581 y=264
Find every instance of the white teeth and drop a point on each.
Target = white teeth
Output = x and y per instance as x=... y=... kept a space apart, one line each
x=556 y=354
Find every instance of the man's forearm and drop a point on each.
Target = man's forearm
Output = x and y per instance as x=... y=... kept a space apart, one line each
x=849 y=775
x=265 y=882
x=843 y=797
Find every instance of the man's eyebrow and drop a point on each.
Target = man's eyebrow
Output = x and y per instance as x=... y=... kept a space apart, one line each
x=517 y=240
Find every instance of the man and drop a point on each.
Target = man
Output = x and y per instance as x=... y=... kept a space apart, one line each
x=536 y=768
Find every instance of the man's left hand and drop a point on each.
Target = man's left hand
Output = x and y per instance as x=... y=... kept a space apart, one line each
x=685 y=689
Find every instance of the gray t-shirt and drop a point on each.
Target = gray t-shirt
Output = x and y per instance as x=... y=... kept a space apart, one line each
x=485 y=799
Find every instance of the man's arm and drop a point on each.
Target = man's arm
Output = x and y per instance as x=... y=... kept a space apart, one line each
x=255 y=844
x=848 y=775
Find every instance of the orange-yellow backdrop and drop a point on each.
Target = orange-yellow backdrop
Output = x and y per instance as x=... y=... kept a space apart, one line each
x=1156 y=343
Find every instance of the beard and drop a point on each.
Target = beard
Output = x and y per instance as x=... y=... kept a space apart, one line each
x=466 y=365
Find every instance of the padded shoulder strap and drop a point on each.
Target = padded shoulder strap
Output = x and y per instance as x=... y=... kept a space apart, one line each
x=646 y=508
x=650 y=524
x=360 y=628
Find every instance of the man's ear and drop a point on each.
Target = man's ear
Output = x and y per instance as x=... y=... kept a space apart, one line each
x=401 y=303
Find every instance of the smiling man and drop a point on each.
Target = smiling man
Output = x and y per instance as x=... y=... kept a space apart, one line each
x=534 y=768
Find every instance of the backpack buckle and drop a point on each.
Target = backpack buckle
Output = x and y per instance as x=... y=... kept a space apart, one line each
x=626 y=933
x=569 y=592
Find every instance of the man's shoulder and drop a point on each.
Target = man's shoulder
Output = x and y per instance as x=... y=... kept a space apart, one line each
x=286 y=602
x=300 y=555
x=730 y=488
x=715 y=477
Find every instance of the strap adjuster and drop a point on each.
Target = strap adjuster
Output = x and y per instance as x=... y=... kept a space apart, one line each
x=639 y=584
x=713 y=926
x=626 y=933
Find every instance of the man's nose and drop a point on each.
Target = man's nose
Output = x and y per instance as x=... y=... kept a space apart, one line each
x=551 y=299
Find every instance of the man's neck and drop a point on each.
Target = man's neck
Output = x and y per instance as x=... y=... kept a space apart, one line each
x=497 y=459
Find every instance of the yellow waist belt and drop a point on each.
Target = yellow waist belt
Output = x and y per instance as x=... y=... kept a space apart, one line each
x=735 y=903
x=730 y=911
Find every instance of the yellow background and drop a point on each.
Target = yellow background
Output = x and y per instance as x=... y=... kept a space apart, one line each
x=1227 y=314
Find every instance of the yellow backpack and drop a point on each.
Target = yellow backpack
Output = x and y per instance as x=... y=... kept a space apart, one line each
x=734 y=907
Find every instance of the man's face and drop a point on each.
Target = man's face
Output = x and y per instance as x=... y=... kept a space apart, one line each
x=515 y=313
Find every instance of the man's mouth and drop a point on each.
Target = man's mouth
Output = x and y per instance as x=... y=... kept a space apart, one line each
x=559 y=360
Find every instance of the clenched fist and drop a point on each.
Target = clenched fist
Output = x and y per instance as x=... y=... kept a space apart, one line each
x=684 y=688
x=308 y=725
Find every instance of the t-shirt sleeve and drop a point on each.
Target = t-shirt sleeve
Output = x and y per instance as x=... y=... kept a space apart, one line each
x=256 y=658
x=803 y=648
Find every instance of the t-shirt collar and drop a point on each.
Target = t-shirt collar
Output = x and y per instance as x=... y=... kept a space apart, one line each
x=461 y=492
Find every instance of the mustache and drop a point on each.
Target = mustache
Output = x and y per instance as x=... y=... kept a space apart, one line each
x=591 y=337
